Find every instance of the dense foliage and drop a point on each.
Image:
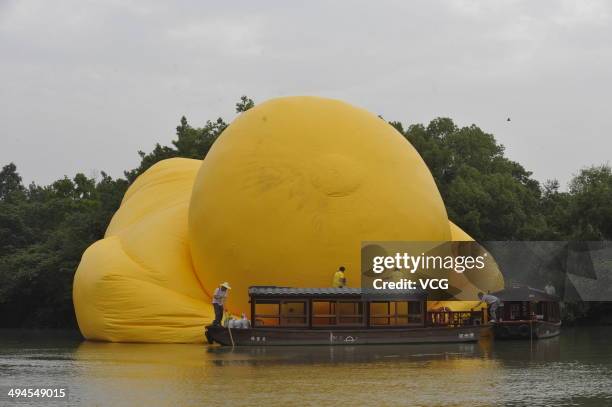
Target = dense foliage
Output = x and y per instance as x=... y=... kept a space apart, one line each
x=494 y=198
x=45 y=229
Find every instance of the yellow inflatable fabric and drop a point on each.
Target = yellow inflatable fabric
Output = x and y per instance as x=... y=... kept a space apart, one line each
x=284 y=197
x=138 y=283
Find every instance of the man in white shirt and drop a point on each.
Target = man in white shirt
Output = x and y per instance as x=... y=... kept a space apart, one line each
x=492 y=301
x=218 y=301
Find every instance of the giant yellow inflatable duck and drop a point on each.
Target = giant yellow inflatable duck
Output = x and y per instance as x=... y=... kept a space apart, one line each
x=286 y=195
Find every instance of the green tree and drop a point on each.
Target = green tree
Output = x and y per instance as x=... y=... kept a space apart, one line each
x=10 y=183
x=42 y=238
x=190 y=142
x=244 y=104
x=554 y=207
x=486 y=194
x=590 y=209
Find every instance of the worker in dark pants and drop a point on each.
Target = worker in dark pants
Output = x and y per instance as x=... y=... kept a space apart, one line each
x=219 y=297
x=492 y=302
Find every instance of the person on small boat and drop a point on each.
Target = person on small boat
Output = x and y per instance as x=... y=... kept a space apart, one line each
x=492 y=302
x=339 y=278
x=219 y=297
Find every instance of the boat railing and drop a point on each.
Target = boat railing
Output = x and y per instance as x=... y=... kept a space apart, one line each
x=455 y=318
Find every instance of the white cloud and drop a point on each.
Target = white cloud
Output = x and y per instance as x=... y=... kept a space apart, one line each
x=577 y=12
x=223 y=35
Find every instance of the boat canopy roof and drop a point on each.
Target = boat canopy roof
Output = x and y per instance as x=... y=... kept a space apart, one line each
x=330 y=292
x=524 y=293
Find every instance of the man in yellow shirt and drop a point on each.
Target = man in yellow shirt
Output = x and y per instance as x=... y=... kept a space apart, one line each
x=339 y=278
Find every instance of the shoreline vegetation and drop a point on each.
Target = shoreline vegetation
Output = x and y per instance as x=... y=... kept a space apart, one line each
x=44 y=229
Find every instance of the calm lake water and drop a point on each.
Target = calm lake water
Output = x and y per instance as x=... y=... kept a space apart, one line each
x=574 y=369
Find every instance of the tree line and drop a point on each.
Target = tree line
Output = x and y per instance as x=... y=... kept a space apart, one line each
x=44 y=229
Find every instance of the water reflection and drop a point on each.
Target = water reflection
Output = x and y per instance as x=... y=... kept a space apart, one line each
x=573 y=368
x=341 y=354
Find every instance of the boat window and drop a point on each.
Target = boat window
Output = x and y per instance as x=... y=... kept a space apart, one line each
x=350 y=313
x=554 y=311
x=549 y=310
x=324 y=312
x=401 y=311
x=337 y=313
x=525 y=306
x=515 y=311
x=415 y=312
x=392 y=313
x=379 y=313
x=294 y=313
x=281 y=313
x=267 y=313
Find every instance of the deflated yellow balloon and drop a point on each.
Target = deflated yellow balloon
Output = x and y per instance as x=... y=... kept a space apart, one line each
x=285 y=196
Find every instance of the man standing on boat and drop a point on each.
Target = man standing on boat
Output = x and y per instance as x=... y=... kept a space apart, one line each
x=339 y=278
x=218 y=301
x=492 y=302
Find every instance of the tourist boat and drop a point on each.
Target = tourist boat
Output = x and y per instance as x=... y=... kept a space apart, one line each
x=527 y=313
x=345 y=316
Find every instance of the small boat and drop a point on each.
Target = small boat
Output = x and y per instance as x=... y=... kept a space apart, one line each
x=343 y=316
x=527 y=313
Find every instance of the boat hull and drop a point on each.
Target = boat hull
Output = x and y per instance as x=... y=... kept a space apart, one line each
x=285 y=337
x=526 y=329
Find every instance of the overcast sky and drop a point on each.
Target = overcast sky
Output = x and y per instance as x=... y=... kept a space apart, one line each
x=84 y=85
